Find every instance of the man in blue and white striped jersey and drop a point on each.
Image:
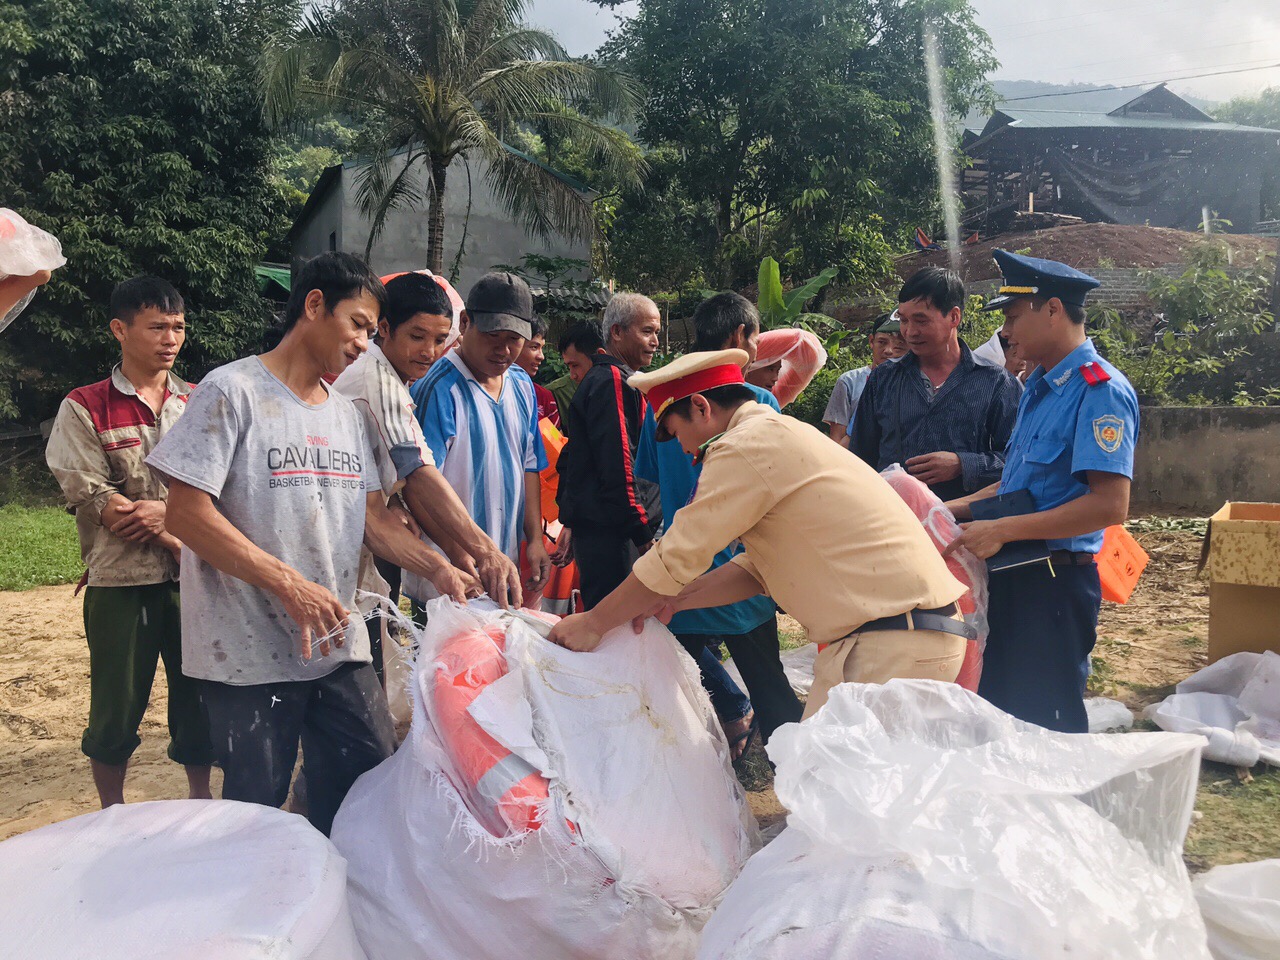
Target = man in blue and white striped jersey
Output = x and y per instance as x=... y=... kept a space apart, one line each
x=480 y=417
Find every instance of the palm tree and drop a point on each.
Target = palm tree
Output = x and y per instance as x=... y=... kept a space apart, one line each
x=439 y=79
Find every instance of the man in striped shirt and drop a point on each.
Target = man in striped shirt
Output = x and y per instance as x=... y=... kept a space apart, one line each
x=412 y=336
x=479 y=416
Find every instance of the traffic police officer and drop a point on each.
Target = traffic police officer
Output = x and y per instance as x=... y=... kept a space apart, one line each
x=1072 y=450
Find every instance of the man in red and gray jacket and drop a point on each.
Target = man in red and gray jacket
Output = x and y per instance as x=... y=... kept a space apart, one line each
x=612 y=516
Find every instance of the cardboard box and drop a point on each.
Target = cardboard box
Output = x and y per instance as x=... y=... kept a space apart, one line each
x=1242 y=556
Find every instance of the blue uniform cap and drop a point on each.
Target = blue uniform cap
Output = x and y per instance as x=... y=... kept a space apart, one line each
x=1033 y=277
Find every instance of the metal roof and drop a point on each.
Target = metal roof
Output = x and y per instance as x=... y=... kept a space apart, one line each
x=1048 y=119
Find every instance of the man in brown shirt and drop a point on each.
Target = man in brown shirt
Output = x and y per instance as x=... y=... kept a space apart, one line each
x=100 y=439
x=825 y=536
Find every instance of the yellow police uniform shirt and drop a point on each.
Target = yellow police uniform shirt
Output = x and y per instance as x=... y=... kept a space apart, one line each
x=825 y=536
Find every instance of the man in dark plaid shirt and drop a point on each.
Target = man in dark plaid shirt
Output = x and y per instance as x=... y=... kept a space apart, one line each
x=941 y=414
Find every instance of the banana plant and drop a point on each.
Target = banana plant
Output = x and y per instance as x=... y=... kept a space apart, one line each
x=786 y=309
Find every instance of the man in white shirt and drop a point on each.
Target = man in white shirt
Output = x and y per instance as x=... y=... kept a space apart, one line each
x=412 y=335
x=886 y=344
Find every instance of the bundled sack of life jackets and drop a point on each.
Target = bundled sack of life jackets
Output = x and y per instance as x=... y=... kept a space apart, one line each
x=546 y=803
x=175 y=880
x=925 y=823
x=963 y=564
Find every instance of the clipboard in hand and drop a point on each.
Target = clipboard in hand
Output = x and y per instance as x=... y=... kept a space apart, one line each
x=1017 y=553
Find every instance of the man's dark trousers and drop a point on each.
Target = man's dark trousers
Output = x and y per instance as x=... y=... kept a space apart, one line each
x=604 y=560
x=341 y=718
x=756 y=654
x=1042 y=628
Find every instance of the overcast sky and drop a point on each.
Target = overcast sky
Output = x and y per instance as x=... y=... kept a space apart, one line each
x=1099 y=41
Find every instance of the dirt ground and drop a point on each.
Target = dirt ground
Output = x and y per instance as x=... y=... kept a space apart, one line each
x=1084 y=245
x=1144 y=648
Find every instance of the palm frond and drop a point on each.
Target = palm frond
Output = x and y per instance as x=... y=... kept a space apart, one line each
x=522 y=87
x=378 y=192
x=537 y=198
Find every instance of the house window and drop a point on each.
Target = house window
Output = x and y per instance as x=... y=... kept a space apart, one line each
x=333 y=241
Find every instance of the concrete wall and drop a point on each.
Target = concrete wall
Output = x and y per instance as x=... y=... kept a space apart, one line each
x=491 y=237
x=312 y=237
x=1200 y=457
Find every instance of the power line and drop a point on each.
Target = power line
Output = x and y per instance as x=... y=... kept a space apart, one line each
x=1145 y=83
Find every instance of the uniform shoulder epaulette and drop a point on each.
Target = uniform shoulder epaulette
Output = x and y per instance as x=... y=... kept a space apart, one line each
x=1094 y=373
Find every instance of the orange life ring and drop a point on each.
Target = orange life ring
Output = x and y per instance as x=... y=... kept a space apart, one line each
x=494 y=776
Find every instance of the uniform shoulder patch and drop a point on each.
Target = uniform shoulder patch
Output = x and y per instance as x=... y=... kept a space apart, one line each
x=1094 y=373
x=1108 y=431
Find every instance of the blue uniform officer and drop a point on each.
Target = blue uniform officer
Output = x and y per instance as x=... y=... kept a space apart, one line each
x=1072 y=449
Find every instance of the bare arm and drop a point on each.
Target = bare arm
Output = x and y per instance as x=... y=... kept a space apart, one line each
x=960 y=508
x=440 y=513
x=194 y=519
x=535 y=549
x=387 y=537
x=1106 y=503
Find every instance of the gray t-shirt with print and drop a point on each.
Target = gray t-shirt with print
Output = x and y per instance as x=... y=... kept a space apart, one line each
x=291 y=477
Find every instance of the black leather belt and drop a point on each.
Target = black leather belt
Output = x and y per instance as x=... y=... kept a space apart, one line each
x=1070 y=558
x=941 y=619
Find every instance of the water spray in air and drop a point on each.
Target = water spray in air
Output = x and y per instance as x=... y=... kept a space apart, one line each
x=942 y=144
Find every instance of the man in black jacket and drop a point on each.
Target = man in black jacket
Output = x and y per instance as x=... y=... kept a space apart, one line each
x=943 y=415
x=612 y=516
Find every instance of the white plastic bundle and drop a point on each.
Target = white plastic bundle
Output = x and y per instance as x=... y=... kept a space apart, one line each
x=175 y=880
x=642 y=826
x=926 y=824
x=25 y=250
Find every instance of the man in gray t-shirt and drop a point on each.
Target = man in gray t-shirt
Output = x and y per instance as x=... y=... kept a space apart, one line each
x=886 y=344
x=273 y=489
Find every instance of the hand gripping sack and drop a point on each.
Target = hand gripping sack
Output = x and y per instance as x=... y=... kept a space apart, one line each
x=546 y=803
x=963 y=565
x=927 y=824
x=175 y=880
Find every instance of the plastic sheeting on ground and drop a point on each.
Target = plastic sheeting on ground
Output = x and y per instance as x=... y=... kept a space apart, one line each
x=643 y=828
x=175 y=880
x=1107 y=715
x=926 y=824
x=1234 y=704
x=1240 y=904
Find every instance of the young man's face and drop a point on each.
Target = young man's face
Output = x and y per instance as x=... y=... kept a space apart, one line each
x=1031 y=331
x=488 y=355
x=926 y=329
x=152 y=339
x=415 y=345
x=695 y=429
x=577 y=362
x=765 y=377
x=531 y=356
x=637 y=342
x=342 y=334
x=886 y=346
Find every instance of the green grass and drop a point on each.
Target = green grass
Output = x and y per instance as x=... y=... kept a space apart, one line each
x=1239 y=822
x=38 y=547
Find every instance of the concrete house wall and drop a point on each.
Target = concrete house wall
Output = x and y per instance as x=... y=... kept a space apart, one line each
x=332 y=215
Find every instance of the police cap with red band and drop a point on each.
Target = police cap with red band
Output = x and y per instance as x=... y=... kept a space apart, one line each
x=687 y=375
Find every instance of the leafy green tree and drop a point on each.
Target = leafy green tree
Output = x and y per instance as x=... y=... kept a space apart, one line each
x=434 y=79
x=1262 y=110
x=797 y=118
x=132 y=131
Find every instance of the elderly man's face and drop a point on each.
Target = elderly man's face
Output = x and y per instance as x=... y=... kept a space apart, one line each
x=637 y=342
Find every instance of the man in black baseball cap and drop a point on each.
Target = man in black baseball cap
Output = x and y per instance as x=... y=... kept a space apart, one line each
x=479 y=415
x=501 y=301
